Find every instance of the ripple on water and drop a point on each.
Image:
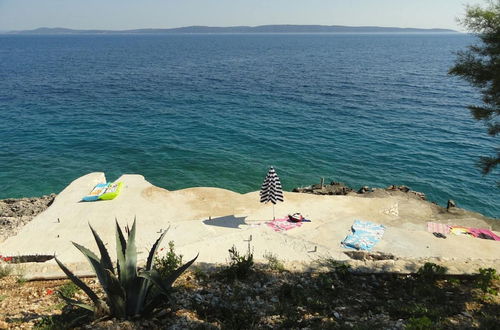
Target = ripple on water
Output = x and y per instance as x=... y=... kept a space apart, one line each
x=217 y=110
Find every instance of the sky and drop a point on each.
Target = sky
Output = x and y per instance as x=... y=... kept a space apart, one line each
x=133 y=14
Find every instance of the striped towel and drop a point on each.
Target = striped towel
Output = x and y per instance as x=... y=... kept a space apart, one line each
x=434 y=227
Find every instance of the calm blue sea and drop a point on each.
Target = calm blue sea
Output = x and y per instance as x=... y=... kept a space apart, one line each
x=216 y=110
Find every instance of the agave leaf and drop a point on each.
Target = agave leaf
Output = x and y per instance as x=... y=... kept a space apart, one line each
x=150 y=261
x=79 y=283
x=176 y=273
x=145 y=284
x=121 y=245
x=131 y=255
x=105 y=259
x=74 y=302
x=165 y=284
x=156 y=279
x=145 y=287
x=116 y=295
x=152 y=304
x=129 y=278
x=96 y=265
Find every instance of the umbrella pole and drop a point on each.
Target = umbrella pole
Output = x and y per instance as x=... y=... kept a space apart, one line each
x=274 y=218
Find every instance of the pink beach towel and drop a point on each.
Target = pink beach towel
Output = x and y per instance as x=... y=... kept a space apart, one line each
x=434 y=227
x=283 y=224
x=484 y=233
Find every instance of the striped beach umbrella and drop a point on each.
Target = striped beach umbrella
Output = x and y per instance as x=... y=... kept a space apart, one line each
x=271 y=190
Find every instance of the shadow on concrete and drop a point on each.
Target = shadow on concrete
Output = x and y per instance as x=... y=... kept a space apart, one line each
x=229 y=221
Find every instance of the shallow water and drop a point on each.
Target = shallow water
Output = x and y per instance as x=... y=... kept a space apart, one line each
x=216 y=110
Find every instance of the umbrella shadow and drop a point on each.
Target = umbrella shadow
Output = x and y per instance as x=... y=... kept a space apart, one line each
x=229 y=221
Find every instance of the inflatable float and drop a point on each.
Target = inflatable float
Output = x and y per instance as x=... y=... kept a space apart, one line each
x=104 y=191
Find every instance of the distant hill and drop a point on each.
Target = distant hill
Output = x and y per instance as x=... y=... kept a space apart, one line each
x=243 y=29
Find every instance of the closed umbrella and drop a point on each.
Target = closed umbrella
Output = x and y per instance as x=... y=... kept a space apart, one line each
x=271 y=190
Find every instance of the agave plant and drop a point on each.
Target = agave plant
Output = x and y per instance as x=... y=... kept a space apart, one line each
x=130 y=291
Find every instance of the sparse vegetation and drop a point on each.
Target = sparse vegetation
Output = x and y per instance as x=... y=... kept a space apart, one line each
x=430 y=271
x=240 y=266
x=169 y=263
x=5 y=269
x=273 y=263
x=69 y=289
x=329 y=297
x=68 y=319
x=419 y=323
x=486 y=279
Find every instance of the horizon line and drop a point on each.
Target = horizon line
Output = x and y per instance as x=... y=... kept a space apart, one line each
x=227 y=27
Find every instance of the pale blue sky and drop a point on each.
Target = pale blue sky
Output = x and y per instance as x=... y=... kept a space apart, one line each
x=128 y=14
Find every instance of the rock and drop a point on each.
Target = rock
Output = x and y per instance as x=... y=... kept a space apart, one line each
x=466 y=314
x=451 y=204
x=334 y=188
x=364 y=190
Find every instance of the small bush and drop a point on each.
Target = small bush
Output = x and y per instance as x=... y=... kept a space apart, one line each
x=419 y=323
x=169 y=263
x=240 y=266
x=485 y=280
x=429 y=271
x=273 y=262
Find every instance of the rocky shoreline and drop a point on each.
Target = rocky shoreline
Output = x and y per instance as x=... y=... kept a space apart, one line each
x=339 y=188
x=16 y=212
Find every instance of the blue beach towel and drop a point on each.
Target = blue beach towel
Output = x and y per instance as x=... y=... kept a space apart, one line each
x=365 y=235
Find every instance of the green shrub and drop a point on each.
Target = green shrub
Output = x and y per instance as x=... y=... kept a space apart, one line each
x=429 y=271
x=169 y=263
x=129 y=291
x=485 y=280
x=419 y=323
x=240 y=266
x=273 y=262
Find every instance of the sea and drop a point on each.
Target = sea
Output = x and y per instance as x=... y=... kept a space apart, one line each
x=217 y=110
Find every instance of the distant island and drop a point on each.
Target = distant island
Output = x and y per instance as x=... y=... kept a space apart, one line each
x=243 y=29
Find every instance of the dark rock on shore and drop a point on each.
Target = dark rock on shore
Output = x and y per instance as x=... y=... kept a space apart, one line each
x=334 y=188
x=16 y=212
x=391 y=190
x=339 y=188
